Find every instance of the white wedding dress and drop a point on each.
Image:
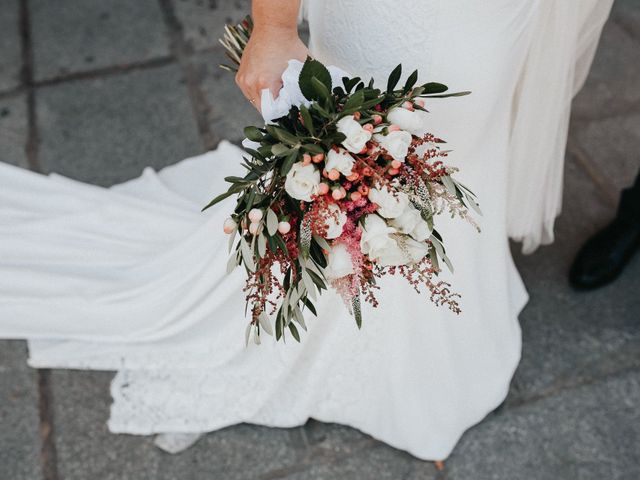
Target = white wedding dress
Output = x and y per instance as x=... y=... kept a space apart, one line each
x=131 y=278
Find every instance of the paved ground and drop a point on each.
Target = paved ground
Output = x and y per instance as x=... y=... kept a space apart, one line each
x=96 y=89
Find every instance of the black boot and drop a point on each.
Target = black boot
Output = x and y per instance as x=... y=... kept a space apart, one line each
x=605 y=255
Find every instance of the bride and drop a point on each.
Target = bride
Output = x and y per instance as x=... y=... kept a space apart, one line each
x=131 y=278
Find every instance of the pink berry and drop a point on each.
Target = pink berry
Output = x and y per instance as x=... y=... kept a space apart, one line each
x=377 y=119
x=318 y=157
x=255 y=215
x=323 y=189
x=338 y=193
x=229 y=226
x=306 y=159
x=253 y=228
x=368 y=127
x=355 y=196
x=284 y=227
x=393 y=171
x=408 y=105
x=334 y=174
x=396 y=164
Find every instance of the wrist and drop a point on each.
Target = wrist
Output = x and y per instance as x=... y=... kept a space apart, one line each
x=271 y=29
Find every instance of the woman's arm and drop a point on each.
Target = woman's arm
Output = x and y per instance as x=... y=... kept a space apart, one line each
x=273 y=42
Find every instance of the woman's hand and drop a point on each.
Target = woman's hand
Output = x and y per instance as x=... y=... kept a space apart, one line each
x=265 y=58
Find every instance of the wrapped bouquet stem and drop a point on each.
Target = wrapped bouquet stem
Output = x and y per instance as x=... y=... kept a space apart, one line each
x=342 y=185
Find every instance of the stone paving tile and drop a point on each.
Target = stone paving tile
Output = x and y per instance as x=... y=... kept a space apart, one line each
x=375 y=461
x=105 y=130
x=627 y=14
x=11 y=58
x=596 y=332
x=86 y=449
x=80 y=35
x=203 y=21
x=614 y=81
x=590 y=433
x=19 y=421
x=229 y=110
x=240 y=452
x=13 y=130
x=614 y=145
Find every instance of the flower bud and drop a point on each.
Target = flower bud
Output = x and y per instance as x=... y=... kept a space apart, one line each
x=255 y=215
x=229 y=225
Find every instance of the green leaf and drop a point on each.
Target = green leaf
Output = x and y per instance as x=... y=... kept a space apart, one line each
x=394 y=77
x=288 y=163
x=434 y=87
x=253 y=133
x=265 y=325
x=272 y=222
x=309 y=305
x=354 y=102
x=310 y=70
x=448 y=183
x=312 y=148
x=307 y=120
x=280 y=150
x=448 y=95
x=279 y=324
x=322 y=92
x=262 y=245
x=282 y=135
x=218 y=199
x=411 y=81
x=294 y=332
x=247 y=255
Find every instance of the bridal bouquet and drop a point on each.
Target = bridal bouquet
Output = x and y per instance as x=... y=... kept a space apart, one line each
x=342 y=188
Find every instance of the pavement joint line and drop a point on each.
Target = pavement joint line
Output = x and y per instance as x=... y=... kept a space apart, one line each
x=565 y=384
x=12 y=92
x=607 y=191
x=31 y=147
x=105 y=71
x=182 y=52
x=48 y=456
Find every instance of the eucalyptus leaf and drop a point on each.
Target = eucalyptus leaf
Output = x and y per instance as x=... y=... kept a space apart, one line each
x=253 y=133
x=262 y=245
x=272 y=222
x=247 y=255
x=265 y=324
x=294 y=332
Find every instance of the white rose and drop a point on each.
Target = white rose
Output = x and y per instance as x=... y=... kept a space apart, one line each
x=378 y=244
x=302 y=181
x=338 y=263
x=335 y=221
x=390 y=202
x=410 y=222
x=357 y=137
x=417 y=250
x=395 y=143
x=421 y=231
x=414 y=122
x=341 y=161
